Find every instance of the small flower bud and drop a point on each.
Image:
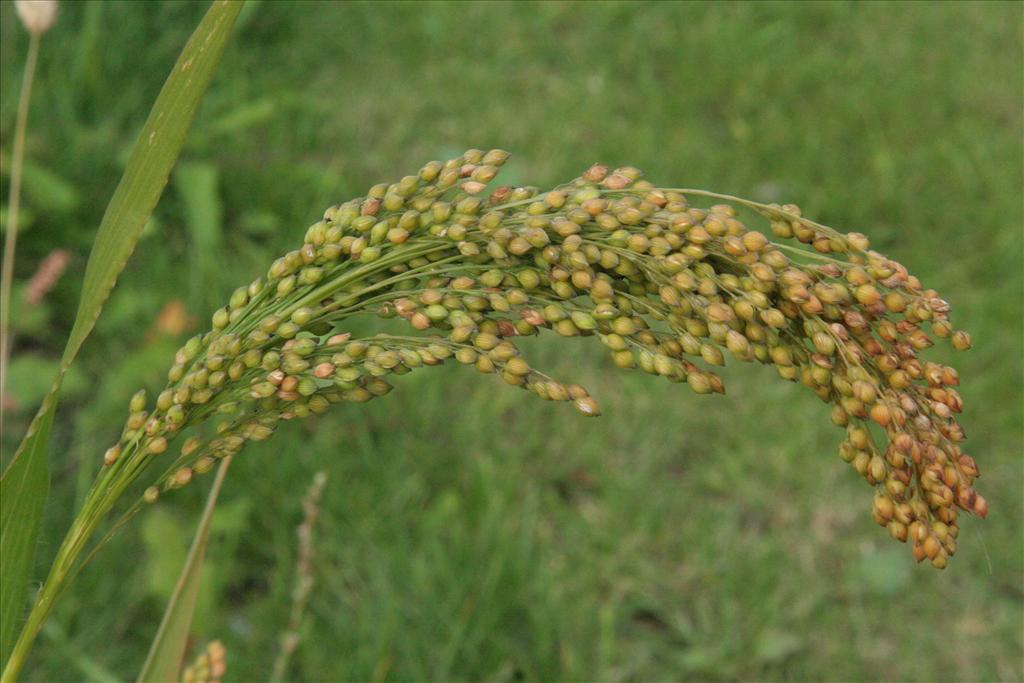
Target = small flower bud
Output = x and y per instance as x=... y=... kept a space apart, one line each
x=37 y=15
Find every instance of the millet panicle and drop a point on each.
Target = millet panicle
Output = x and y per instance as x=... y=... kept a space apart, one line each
x=667 y=287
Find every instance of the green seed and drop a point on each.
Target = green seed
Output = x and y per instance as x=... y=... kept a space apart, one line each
x=369 y=254
x=302 y=316
x=138 y=402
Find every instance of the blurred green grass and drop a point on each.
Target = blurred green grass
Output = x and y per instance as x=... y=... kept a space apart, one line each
x=469 y=532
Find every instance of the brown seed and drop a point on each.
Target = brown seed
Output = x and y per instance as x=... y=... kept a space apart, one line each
x=721 y=313
x=617 y=181
x=981 y=506
x=111 y=455
x=181 y=477
x=595 y=173
x=884 y=507
x=880 y=413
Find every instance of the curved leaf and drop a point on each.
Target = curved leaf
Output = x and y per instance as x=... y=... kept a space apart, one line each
x=25 y=482
x=163 y=663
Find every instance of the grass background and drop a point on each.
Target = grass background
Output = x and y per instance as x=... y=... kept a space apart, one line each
x=469 y=532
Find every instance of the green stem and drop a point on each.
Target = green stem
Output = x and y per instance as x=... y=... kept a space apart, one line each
x=11 y=239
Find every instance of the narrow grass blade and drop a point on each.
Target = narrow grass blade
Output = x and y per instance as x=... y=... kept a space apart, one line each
x=25 y=483
x=196 y=183
x=23 y=491
x=164 y=661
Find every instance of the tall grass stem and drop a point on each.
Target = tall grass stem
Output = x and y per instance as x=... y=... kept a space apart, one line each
x=11 y=239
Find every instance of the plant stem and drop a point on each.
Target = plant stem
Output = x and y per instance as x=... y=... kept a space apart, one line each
x=303 y=577
x=11 y=239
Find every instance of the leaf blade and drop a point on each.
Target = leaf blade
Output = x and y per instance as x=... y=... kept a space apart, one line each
x=137 y=194
x=23 y=491
x=24 y=484
x=163 y=663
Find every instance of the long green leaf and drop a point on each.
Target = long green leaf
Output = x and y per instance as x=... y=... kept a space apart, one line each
x=25 y=482
x=163 y=663
x=23 y=492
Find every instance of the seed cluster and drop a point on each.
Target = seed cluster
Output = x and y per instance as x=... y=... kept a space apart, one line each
x=667 y=287
x=209 y=666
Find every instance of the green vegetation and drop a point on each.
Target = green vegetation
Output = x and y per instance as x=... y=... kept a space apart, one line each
x=467 y=531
